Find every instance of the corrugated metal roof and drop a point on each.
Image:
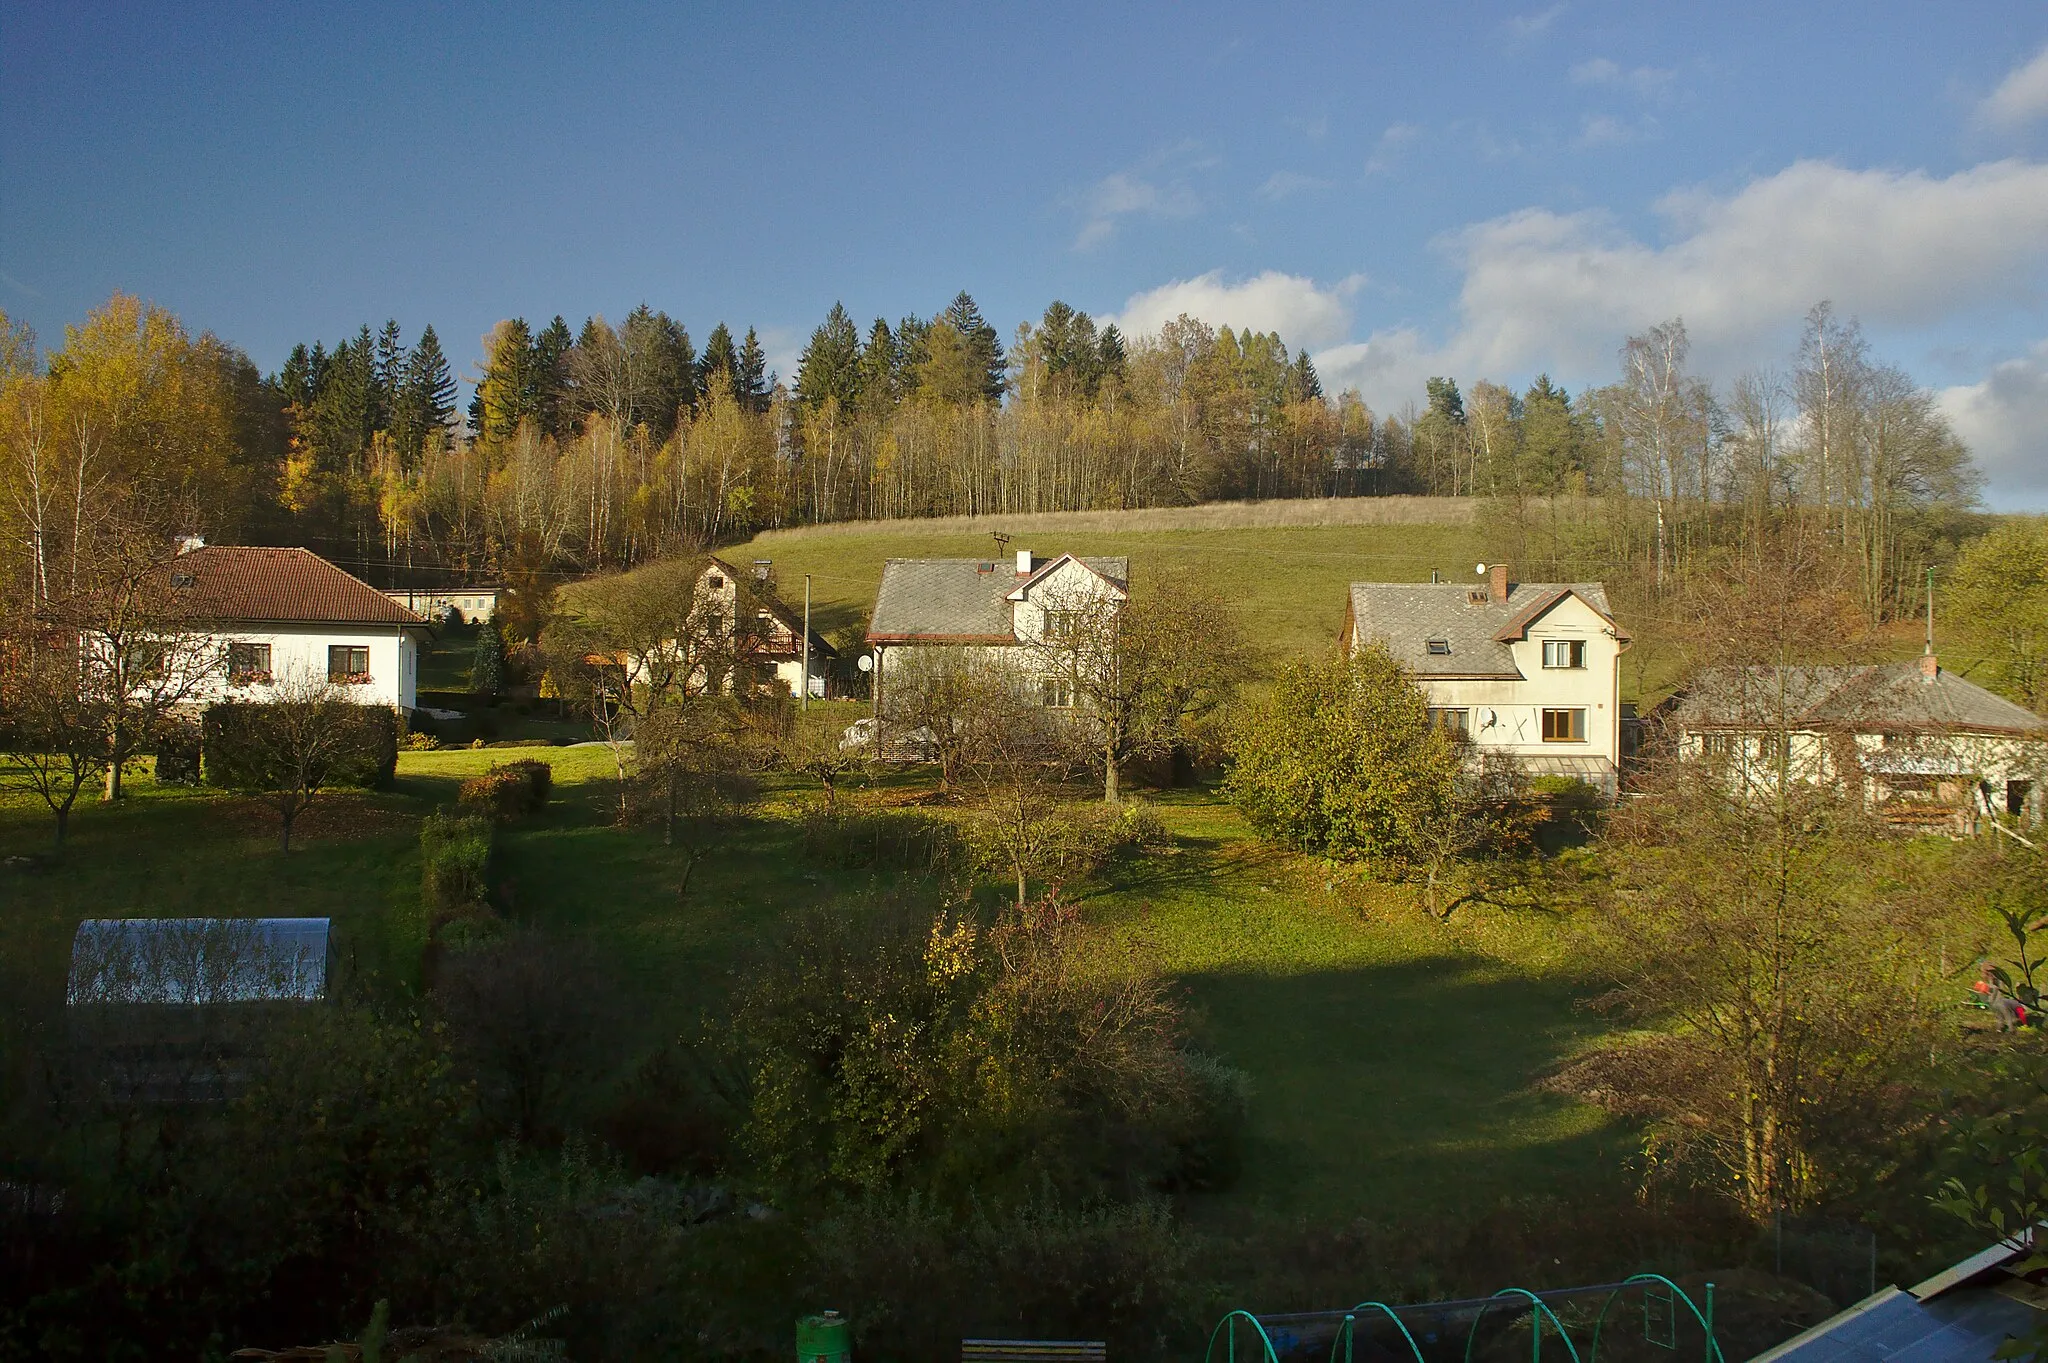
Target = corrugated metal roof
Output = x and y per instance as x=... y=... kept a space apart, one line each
x=958 y=598
x=1880 y=696
x=232 y=582
x=198 y=960
x=1406 y=616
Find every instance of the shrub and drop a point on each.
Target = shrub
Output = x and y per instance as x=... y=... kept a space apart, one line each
x=455 y=862
x=177 y=753
x=420 y=741
x=1341 y=759
x=851 y=837
x=236 y=736
x=511 y=791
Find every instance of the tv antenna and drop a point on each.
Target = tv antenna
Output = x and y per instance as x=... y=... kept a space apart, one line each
x=1000 y=538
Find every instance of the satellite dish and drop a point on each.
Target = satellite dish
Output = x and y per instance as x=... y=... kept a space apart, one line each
x=867 y=662
x=1481 y=570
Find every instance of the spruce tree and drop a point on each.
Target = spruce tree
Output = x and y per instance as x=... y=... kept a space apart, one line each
x=830 y=367
x=1305 y=384
x=964 y=316
x=550 y=376
x=720 y=356
x=425 y=401
x=390 y=375
x=878 y=387
x=487 y=662
x=752 y=385
x=1114 y=361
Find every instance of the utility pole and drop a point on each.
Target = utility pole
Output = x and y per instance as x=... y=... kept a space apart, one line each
x=806 y=702
x=1930 y=610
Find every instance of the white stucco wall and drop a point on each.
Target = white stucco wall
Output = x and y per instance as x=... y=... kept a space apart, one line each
x=1506 y=714
x=1071 y=586
x=302 y=651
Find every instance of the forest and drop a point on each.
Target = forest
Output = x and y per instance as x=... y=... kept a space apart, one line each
x=611 y=445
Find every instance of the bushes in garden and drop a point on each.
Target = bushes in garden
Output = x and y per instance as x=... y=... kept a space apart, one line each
x=240 y=742
x=455 y=863
x=510 y=791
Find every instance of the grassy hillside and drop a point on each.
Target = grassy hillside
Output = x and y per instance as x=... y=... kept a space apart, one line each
x=1285 y=564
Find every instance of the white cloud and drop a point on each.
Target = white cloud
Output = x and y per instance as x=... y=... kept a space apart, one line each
x=1154 y=188
x=2021 y=97
x=1534 y=25
x=2004 y=421
x=1292 y=305
x=1605 y=130
x=1283 y=183
x=1650 y=82
x=1388 y=149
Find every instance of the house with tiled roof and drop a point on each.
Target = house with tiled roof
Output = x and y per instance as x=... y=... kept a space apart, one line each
x=274 y=614
x=1923 y=746
x=1531 y=670
x=997 y=609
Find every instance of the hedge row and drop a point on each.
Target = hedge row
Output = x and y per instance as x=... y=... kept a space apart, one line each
x=236 y=740
x=455 y=863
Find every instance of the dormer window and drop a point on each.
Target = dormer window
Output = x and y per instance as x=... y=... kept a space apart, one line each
x=1439 y=648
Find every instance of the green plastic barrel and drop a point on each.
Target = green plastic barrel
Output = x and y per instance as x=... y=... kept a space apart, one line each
x=824 y=1338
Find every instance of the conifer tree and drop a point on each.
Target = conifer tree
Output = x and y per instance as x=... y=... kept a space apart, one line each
x=831 y=363
x=720 y=357
x=549 y=376
x=1303 y=383
x=1114 y=362
x=505 y=392
x=912 y=351
x=983 y=344
x=878 y=385
x=752 y=385
x=390 y=373
x=487 y=662
x=425 y=399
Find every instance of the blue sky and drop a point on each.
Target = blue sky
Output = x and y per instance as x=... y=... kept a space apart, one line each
x=1404 y=189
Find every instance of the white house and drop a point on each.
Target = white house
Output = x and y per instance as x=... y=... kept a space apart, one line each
x=774 y=649
x=1923 y=746
x=473 y=604
x=272 y=615
x=1529 y=669
x=995 y=610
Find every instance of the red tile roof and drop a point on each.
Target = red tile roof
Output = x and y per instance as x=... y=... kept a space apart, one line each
x=285 y=586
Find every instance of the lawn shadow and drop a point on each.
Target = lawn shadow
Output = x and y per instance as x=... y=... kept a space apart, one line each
x=1402 y=1088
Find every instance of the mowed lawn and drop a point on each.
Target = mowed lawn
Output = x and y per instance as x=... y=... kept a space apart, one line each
x=1393 y=1058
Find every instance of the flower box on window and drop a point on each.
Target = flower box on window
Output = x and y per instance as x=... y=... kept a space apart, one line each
x=253 y=678
x=354 y=679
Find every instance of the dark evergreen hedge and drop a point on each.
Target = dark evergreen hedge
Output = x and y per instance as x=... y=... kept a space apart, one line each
x=232 y=756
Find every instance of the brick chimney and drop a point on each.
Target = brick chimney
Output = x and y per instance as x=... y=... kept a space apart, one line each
x=1930 y=667
x=1023 y=563
x=1497 y=584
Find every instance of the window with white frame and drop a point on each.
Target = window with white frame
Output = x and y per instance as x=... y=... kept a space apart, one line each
x=1564 y=653
x=1057 y=693
x=1457 y=719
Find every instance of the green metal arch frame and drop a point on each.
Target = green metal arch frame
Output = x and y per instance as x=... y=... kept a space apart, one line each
x=1345 y=1332
x=1229 y=1323
x=1539 y=1309
x=1705 y=1319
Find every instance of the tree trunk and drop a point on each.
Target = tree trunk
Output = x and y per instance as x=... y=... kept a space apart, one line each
x=1111 y=793
x=63 y=813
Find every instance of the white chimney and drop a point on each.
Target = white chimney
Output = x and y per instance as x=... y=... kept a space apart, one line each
x=1023 y=563
x=187 y=543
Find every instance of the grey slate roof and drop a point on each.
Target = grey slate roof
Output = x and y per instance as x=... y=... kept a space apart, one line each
x=1407 y=615
x=1880 y=696
x=958 y=599
x=198 y=960
x=1959 y=1316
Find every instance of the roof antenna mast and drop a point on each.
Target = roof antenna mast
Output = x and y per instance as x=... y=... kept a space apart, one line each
x=1930 y=610
x=1000 y=538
